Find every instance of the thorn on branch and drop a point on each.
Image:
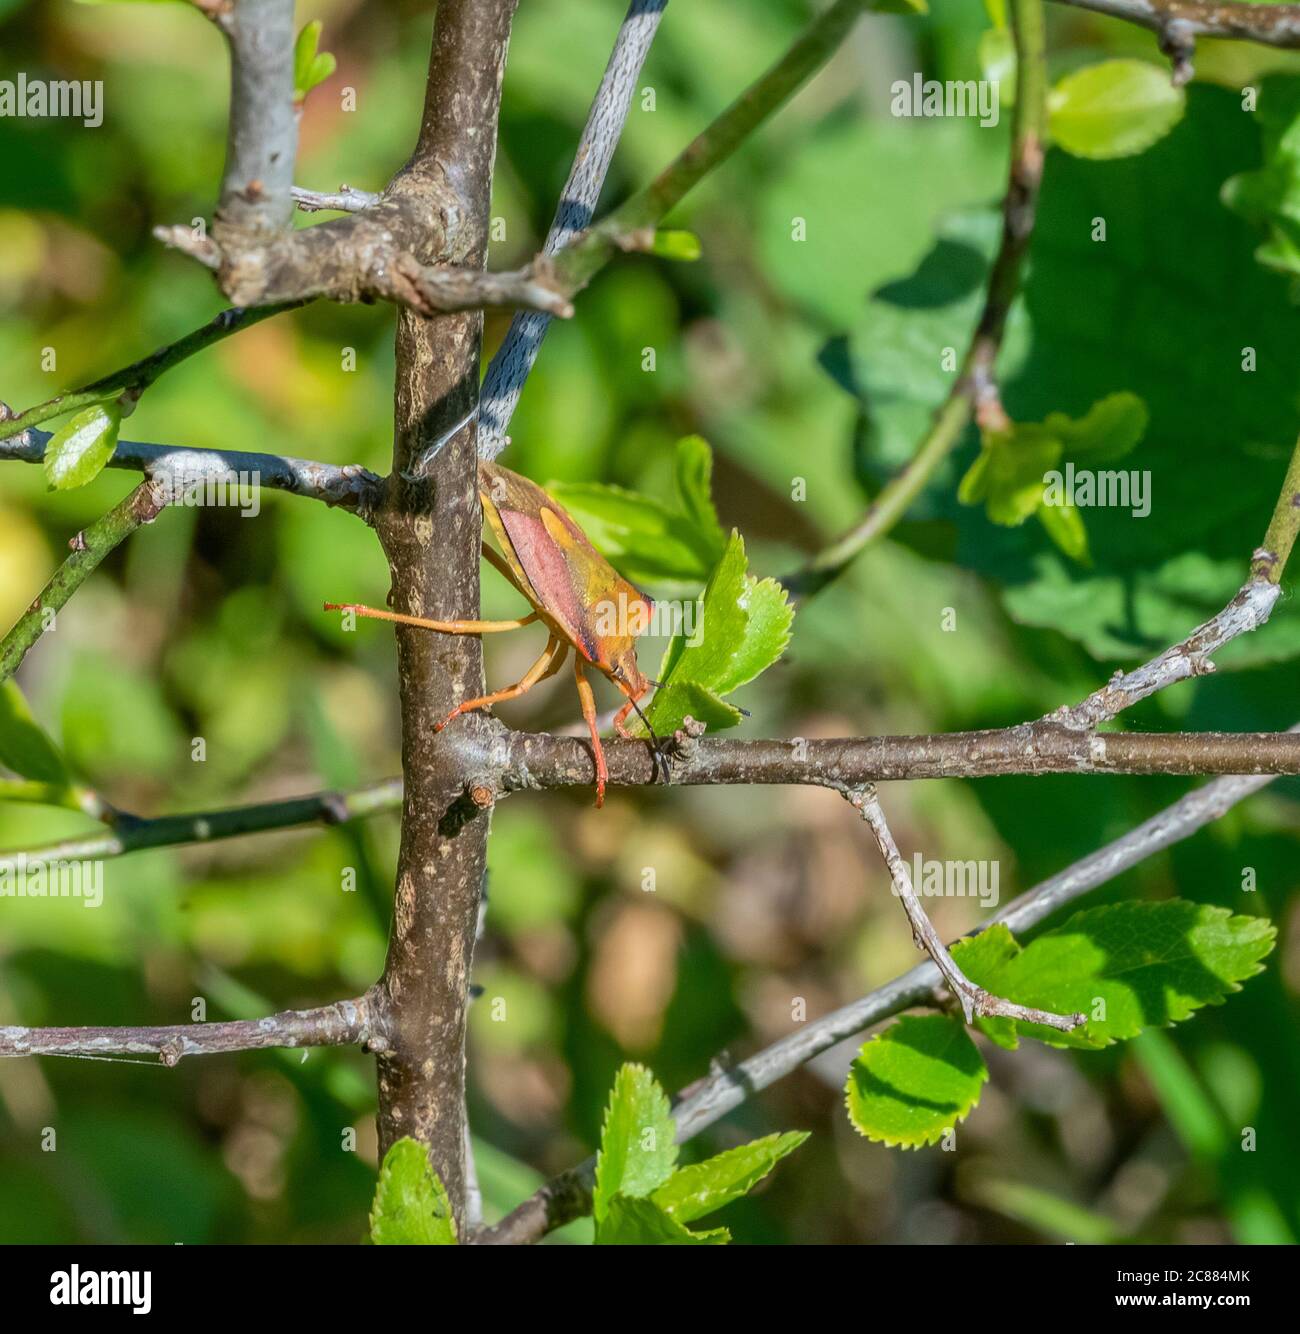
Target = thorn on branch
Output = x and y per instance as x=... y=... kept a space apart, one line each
x=683 y=743
x=334 y=808
x=344 y=200
x=189 y=242
x=1177 y=40
x=218 y=11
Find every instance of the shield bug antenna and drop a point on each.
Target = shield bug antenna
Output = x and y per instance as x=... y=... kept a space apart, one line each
x=656 y=746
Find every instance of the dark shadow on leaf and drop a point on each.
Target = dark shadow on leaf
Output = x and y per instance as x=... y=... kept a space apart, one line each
x=871 y=1085
x=949 y=271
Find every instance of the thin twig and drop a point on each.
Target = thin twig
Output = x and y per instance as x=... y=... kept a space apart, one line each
x=514 y=359
x=89 y=547
x=347 y=485
x=1270 y=559
x=131 y=834
x=515 y=761
x=344 y=1023
x=521 y=761
x=975 y=388
x=631 y=225
x=974 y=1000
x=568 y=1195
x=1267 y=24
x=71 y=796
x=1247 y=611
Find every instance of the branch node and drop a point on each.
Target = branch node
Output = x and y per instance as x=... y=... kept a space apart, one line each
x=198 y=246
x=482 y=794
x=1177 y=40
x=683 y=743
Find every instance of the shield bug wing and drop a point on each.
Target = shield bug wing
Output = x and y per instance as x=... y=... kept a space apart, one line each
x=614 y=611
x=514 y=507
x=596 y=609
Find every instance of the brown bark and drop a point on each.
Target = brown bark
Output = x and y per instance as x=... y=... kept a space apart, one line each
x=430 y=530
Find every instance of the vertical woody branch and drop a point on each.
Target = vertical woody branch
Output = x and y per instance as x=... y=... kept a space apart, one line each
x=430 y=530
x=262 y=139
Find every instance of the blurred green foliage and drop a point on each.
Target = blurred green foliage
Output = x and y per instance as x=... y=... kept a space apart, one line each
x=773 y=347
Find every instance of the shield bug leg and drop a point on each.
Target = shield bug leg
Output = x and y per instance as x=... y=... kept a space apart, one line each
x=447 y=627
x=589 y=713
x=656 y=745
x=548 y=664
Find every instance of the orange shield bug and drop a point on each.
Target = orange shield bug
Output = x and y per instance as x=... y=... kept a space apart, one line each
x=575 y=592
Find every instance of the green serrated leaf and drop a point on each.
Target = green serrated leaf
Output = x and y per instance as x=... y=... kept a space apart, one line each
x=1010 y=476
x=981 y=955
x=742 y=627
x=24 y=746
x=912 y=1083
x=693 y=479
x=1129 y=966
x=691 y=1192
x=645 y=540
x=639 y=1222
x=678 y=699
x=1114 y=109
x=637 y=1145
x=767 y=634
x=678 y=245
x=78 y=451
x=411 y=1206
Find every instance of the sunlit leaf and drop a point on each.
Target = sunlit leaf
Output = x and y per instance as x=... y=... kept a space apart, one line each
x=912 y=1083
x=310 y=66
x=701 y=1188
x=1128 y=966
x=637 y=1144
x=635 y=1222
x=1114 y=109
x=78 y=451
x=411 y=1207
